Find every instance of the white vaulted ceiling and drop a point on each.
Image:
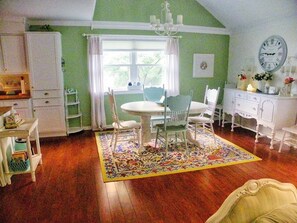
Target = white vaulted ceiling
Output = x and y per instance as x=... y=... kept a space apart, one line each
x=48 y=9
x=232 y=14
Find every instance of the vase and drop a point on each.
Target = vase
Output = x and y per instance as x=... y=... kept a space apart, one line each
x=242 y=84
x=288 y=89
x=266 y=87
x=261 y=86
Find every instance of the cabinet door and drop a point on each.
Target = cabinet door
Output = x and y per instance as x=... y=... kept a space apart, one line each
x=51 y=120
x=267 y=110
x=228 y=101
x=13 y=55
x=44 y=54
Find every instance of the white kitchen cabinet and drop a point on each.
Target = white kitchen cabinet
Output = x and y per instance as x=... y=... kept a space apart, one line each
x=271 y=111
x=44 y=54
x=12 y=55
x=44 y=57
x=22 y=106
x=52 y=122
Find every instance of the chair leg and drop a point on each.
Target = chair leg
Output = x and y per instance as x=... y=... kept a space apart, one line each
x=213 y=134
x=157 y=134
x=195 y=131
x=116 y=140
x=166 y=143
x=113 y=133
x=186 y=144
x=223 y=119
x=220 y=117
x=282 y=142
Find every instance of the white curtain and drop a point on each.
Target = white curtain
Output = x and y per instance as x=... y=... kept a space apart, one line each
x=96 y=82
x=172 y=67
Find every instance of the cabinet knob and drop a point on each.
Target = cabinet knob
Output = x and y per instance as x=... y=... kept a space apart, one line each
x=15 y=104
x=46 y=102
x=45 y=93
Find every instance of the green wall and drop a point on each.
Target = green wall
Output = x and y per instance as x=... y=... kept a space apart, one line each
x=74 y=47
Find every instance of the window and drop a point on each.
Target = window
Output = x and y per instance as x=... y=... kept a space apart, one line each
x=136 y=61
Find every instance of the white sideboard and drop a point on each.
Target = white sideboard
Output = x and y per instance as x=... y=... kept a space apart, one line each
x=272 y=111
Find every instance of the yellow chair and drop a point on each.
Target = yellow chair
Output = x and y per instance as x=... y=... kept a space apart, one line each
x=263 y=200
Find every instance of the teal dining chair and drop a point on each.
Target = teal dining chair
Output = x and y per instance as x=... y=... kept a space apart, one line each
x=155 y=94
x=177 y=108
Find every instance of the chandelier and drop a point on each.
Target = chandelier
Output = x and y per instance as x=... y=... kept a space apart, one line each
x=164 y=26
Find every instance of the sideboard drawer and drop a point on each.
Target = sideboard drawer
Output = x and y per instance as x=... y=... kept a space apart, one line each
x=254 y=98
x=47 y=102
x=240 y=95
x=246 y=107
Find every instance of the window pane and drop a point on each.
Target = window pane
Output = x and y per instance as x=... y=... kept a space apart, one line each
x=116 y=57
x=151 y=75
x=150 y=57
x=116 y=77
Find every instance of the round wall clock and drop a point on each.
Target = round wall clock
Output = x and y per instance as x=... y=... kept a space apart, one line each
x=272 y=53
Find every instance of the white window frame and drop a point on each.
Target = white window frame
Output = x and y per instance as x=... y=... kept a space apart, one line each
x=133 y=65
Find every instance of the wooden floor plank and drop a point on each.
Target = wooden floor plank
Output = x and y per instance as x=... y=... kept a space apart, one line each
x=69 y=185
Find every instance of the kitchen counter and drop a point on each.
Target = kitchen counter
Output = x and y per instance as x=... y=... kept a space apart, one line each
x=10 y=97
x=3 y=110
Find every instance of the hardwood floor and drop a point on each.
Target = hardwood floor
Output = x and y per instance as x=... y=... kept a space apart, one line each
x=69 y=186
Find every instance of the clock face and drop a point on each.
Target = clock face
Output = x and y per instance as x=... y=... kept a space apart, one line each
x=272 y=53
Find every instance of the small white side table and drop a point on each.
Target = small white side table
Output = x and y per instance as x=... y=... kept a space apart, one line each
x=25 y=131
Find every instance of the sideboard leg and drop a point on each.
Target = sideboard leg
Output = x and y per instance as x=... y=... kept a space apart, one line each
x=232 y=125
x=257 y=133
x=272 y=138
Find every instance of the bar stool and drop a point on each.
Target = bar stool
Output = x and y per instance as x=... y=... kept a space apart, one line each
x=291 y=139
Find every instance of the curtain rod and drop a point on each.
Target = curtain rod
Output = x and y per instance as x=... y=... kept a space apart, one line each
x=165 y=37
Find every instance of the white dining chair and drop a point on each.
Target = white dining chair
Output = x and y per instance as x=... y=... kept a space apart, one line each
x=206 y=119
x=121 y=126
x=289 y=136
x=219 y=112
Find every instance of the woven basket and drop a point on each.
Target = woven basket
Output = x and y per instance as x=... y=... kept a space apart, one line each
x=19 y=165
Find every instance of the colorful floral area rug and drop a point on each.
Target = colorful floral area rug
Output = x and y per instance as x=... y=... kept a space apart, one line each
x=126 y=162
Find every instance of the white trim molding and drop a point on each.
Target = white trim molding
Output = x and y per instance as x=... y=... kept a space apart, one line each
x=129 y=26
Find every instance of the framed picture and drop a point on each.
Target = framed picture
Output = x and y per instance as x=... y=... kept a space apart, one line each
x=203 y=65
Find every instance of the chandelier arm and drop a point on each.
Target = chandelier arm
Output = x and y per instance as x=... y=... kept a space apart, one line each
x=165 y=26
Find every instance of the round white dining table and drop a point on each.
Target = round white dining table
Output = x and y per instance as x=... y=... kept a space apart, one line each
x=146 y=109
